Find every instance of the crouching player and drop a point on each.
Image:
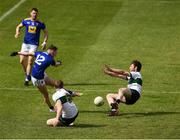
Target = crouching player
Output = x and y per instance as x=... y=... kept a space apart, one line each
x=39 y=78
x=66 y=110
x=127 y=95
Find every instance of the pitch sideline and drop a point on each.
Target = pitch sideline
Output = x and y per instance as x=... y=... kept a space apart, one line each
x=11 y=10
x=84 y=90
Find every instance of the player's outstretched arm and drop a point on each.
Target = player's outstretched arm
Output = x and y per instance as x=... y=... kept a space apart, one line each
x=122 y=74
x=111 y=73
x=45 y=39
x=22 y=53
x=78 y=94
x=118 y=71
x=18 y=30
x=58 y=63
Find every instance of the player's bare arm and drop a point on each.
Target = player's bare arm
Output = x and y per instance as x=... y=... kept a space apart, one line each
x=58 y=107
x=78 y=94
x=58 y=63
x=118 y=71
x=18 y=30
x=45 y=39
x=123 y=74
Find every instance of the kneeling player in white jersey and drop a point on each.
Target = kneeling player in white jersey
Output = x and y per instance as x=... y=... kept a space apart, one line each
x=131 y=93
x=66 y=110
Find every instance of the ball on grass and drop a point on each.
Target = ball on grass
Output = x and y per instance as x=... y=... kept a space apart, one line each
x=98 y=101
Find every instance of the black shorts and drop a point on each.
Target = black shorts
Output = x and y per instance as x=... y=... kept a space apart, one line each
x=133 y=98
x=67 y=121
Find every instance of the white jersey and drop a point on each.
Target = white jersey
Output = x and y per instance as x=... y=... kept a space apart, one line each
x=69 y=109
x=135 y=81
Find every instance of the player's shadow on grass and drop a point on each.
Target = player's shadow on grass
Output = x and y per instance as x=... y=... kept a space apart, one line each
x=133 y=114
x=94 y=112
x=89 y=84
x=147 y=114
x=85 y=125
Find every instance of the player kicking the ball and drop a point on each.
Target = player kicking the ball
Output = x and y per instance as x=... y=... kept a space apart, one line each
x=31 y=40
x=127 y=95
x=66 y=110
x=39 y=78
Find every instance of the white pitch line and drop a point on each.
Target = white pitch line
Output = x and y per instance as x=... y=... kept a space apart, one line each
x=11 y=10
x=84 y=90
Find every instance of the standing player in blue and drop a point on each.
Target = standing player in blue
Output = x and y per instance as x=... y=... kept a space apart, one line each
x=39 y=78
x=31 y=40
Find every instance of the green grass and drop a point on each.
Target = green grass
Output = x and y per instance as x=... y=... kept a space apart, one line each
x=91 y=33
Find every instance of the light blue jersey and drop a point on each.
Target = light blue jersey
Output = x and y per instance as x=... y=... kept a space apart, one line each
x=42 y=61
x=33 y=29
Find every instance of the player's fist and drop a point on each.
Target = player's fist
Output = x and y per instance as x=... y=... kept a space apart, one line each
x=58 y=62
x=14 y=54
x=78 y=94
x=43 y=45
x=17 y=35
x=56 y=122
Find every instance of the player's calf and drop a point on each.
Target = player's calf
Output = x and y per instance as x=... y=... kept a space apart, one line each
x=111 y=98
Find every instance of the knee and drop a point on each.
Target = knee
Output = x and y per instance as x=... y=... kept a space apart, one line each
x=48 y=122
x=108 y=95
x=30 y=62
x=121 y=90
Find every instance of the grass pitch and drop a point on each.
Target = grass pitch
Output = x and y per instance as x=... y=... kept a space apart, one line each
x=91 y=33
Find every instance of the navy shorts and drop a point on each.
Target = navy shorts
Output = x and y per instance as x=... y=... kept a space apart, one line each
x=67 y=121
x=133 y=98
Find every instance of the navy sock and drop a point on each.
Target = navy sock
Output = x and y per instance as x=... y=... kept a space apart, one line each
x=52 y=107
x=28 y=77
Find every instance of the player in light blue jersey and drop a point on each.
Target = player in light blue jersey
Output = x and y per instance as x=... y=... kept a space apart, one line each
x=31 y=40
x=39 y=78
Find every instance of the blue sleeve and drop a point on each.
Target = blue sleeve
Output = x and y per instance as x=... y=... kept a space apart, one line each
x=43 y=26
x=23 y=22
x=36 y=53
x=53 y=62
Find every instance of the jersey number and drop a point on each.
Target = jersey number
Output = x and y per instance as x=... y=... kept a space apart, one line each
x=39 y=59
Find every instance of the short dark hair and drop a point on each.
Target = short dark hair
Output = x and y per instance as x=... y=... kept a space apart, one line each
x=59 y=84
x=34 y=9
x=137 y=64
x=52 y=47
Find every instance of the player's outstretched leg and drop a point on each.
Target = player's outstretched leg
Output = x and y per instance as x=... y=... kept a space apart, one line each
x=111 y=98
x=45 y=94
x=49 y=81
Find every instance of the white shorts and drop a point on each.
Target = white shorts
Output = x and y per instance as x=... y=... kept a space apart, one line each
x=28 y=48
x=39 y=82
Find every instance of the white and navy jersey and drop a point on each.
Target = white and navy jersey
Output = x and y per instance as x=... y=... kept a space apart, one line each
x=135 y=81
x=69 y=109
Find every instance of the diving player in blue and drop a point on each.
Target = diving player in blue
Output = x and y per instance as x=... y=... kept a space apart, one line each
x=39 y=78
x=31 y=40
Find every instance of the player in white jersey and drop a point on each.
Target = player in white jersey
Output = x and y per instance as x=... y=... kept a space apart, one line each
x=66 y=110
x=130 y=94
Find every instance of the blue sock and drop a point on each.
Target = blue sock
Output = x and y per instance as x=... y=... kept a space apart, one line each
x=28 y=77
